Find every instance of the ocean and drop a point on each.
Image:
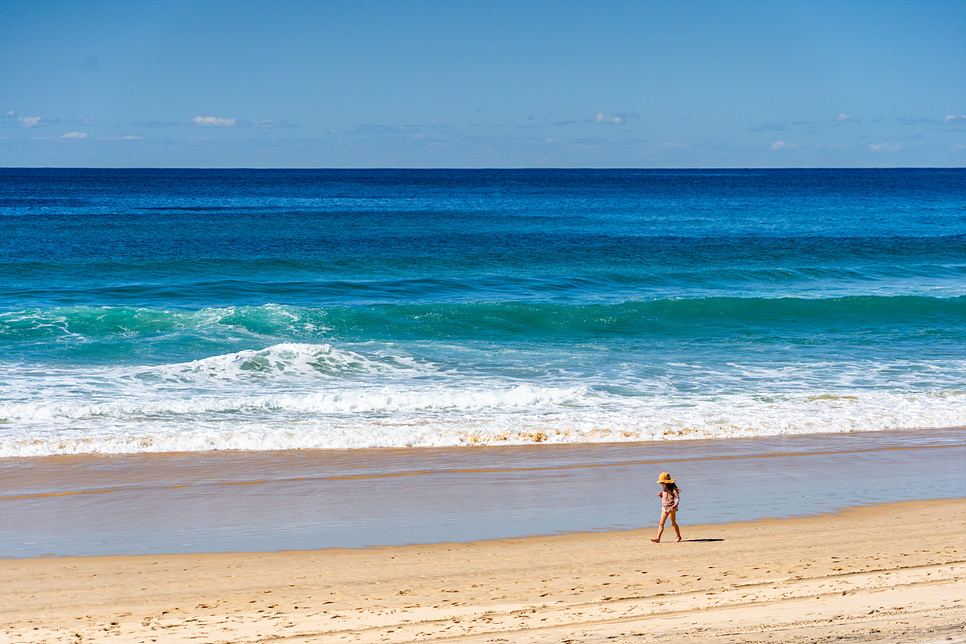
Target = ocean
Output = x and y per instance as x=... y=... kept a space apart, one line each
x=202 y=310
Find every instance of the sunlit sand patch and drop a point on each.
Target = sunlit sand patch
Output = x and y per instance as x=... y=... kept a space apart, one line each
x=797 y=580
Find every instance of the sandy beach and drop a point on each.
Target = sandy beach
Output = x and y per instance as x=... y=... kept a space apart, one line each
x=886 y=573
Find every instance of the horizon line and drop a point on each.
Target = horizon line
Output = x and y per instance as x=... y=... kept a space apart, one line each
x=482 y=168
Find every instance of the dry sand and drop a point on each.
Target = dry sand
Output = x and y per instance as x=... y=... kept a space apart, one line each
x=888 y=573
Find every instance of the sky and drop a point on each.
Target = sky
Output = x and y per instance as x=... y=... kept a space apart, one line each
x=482 y=83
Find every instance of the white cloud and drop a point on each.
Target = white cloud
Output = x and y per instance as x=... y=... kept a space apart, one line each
x=784 y=145
x=955 y=120
x=608 y=118
x=885 y=147
x=31 y=121
x=9 y=113
x=213 y=121
x=842 y=117
x=74 y=135
x=130 y=137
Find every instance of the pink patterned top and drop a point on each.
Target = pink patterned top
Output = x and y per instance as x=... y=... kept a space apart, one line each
x=670 y=500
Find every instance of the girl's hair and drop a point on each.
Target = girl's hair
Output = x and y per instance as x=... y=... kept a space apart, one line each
x=671 y=487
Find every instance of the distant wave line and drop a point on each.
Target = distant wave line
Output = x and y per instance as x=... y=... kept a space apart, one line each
x=421 y=319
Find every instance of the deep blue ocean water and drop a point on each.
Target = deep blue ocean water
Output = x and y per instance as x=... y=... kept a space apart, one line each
x=186 y=310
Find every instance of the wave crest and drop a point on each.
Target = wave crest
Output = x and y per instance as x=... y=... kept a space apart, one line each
x=225 y=327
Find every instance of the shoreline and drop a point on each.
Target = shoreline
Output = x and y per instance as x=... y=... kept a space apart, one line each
x=94 y=456
x=308 y=500
x=843 y=575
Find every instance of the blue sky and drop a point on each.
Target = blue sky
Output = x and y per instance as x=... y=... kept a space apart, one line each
x=473 y=83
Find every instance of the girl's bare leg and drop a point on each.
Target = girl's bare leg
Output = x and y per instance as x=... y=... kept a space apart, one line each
x=674 y=523
x=660 y=529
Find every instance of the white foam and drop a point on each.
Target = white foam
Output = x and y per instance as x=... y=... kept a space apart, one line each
x=280 y=361
x=512 y=416
x=291 y=396
x=374 y=400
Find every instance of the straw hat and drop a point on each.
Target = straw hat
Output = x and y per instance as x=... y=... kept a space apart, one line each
x=665 y=478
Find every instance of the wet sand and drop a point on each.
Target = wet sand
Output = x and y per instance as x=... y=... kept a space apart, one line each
x=304 y=500
x=886 y=573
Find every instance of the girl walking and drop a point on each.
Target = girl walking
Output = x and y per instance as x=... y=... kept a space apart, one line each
x=670 y=497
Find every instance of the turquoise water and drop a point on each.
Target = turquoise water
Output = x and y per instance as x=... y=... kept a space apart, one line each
x=190 y=310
